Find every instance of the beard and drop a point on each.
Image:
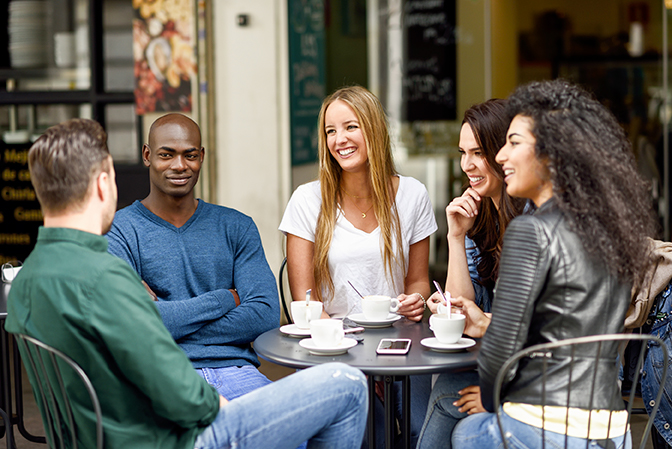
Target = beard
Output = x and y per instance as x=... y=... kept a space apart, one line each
x=108 y=215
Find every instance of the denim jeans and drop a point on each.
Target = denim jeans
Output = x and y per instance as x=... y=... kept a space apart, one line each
x=442 y=416
x=661 y=326
x=234 y=381
x=326 y=405
x=481 y=431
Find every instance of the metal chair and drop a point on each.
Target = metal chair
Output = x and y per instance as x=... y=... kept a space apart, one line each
x=569 y=352
x=52 y=398
x=281 y=285
x=8 y=429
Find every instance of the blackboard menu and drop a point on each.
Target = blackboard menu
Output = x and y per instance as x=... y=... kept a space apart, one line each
x=431 y=55
x=306 y=76
x=20 y=214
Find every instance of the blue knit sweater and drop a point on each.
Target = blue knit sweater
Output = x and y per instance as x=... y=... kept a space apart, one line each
x=191 y=270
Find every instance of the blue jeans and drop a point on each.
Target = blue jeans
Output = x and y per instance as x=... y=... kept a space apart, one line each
x=442 y=416
x=326 y=405
x=234 y=381
x=481 y=431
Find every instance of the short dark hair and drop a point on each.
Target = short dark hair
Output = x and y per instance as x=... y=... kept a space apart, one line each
x=592 y=171
x=64 y=160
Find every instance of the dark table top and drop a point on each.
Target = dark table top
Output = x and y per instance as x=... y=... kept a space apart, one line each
x=284 y=350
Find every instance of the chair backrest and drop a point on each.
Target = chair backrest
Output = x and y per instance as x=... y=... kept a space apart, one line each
x=41 y=359
x=570 y=354
x=281 y=285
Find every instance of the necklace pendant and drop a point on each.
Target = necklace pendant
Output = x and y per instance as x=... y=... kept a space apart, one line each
x=363 y=215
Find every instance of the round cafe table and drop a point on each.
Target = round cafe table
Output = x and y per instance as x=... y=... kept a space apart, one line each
x=284 y=350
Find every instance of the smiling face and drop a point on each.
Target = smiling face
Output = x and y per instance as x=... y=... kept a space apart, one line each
x=525 y=175
x=474 y=163
x=345 y=138
x=174 y=156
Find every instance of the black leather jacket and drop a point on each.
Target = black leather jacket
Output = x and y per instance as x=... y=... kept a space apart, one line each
x=550 y=289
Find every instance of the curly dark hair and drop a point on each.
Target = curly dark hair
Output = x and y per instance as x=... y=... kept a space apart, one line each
x=489 y=122
x=592 y=169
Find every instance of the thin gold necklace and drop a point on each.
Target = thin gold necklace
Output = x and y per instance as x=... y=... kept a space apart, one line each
x=355 y=196
x=360 y=197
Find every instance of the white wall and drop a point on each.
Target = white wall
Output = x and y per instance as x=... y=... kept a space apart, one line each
x=252 y=142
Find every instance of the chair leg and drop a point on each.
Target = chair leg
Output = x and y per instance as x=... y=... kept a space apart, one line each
x=8 y=430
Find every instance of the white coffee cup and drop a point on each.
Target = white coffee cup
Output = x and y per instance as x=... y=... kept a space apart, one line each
x=303 y=315
x=377 y=307
x=326 y=333
x=447 y=329
x=9 y=272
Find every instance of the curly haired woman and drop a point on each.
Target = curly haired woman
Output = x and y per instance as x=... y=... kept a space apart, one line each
x=565 y=271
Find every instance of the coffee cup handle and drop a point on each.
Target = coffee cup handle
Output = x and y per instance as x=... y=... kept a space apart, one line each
x=442 y=309
x=395 y=304
x=430 y=322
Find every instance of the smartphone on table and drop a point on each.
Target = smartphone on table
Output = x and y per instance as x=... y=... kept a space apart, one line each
x=394 y=346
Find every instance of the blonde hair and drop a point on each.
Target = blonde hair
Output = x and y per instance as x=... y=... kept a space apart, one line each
x=373 y=123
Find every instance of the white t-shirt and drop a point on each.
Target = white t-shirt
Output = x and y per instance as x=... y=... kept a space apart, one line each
x=355 y=255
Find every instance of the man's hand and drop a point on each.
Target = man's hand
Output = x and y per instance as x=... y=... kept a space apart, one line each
x=149 y=290
x=470 y=402
x=236 y=298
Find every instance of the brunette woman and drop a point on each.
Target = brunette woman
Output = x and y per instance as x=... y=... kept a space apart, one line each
x=565 y=272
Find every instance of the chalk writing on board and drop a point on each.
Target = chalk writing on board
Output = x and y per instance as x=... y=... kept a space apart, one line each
x=20 y=214
x=430 y=59
x=307 y=76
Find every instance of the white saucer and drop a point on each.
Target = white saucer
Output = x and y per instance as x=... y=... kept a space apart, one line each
x=342 y=348
x=294 y=331
x=360 y=319
x=434 y=344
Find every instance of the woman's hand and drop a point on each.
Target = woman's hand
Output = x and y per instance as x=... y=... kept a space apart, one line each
x=461 y=213
x=411 y=307
x=477 y=321
x=434 y=301
x=470 y=400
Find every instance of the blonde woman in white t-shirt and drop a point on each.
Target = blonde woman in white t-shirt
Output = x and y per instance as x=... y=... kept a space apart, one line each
x=361 y=222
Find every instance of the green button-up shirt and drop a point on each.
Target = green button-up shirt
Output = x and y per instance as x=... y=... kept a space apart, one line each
x=72 y=295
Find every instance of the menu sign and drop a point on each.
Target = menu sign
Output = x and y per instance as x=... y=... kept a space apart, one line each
x=431 y=55
x=20 y=214
x=306 y=76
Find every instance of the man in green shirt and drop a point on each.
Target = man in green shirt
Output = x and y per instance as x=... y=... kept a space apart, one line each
x=74 y=296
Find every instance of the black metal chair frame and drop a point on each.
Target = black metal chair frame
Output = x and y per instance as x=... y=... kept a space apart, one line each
x=8 y=427
x=48 y=393
x=281 y=286
x=545 y=351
